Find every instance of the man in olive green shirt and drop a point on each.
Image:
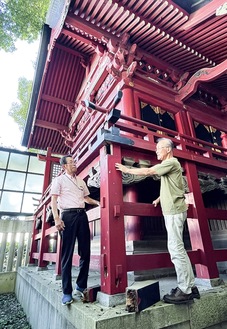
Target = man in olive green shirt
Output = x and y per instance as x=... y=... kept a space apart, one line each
x=174 y=210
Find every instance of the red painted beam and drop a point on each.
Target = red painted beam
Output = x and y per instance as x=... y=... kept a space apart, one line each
x=159 y=260
x=95 y=262
x=203 y=75
x=220 y=255
x=50 y=125
x=141 y=209
x=89 y=29
x=213 y=213
x=57 y=100
x=50 y=257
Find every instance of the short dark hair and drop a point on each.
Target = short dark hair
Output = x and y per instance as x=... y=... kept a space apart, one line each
x=63 y=159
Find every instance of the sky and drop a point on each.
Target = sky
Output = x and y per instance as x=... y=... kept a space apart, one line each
x=13 y=66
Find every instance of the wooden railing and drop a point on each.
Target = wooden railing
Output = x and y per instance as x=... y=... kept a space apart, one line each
x=190 y=151
x=144 y=135
x=15 y=242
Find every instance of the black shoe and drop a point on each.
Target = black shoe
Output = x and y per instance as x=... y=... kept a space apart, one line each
x=178 y=297
x=195 y=292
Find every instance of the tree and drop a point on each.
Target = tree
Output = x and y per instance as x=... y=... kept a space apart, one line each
x=18 y=111
x=21 y=19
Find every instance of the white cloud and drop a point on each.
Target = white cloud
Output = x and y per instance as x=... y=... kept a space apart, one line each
x=12 y=67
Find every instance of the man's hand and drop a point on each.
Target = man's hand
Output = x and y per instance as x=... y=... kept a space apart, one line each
x=121 y=167
x=59 y=224
x=156 y=202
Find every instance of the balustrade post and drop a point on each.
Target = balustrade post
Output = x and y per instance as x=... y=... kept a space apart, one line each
x=43 y=240
x=199 y=228
x=113 y=253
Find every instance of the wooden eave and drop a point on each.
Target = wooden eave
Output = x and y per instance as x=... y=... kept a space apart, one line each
x=165 y=36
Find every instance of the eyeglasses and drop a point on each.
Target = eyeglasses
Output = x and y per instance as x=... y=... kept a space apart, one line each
x=162 y=147
x=71 y=163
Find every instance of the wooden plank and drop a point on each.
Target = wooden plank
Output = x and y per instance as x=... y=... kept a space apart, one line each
x=2 y=250
x=11 y=254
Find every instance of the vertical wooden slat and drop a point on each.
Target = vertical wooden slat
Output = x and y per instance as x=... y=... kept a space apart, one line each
x=17 y=254
x=20 y=250
x=28 y=246
x=2 y=250
x=11 y=252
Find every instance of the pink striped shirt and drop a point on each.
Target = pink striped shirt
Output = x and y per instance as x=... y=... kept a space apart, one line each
x=70 y=191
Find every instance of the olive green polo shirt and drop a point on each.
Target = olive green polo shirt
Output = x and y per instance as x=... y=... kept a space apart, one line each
x=172 y=187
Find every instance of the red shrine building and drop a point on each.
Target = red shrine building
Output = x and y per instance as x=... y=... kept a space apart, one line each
x=112 y=77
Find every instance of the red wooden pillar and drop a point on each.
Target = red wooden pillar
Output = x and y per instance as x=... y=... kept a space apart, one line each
x=34 y=243
x=133 y=228
x=224 y=140
x=133 y=223
x=48 y=159
x=128 y=104
x=113 y=254
x=44 y=240
x=182 y=123
x=199 y=228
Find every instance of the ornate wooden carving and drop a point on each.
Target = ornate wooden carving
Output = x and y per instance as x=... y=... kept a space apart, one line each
x=207 y=182
x=121 y=56
x=166 y=77
x=68 y=138
x=203 y=75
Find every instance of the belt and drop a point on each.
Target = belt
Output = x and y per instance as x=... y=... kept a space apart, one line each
x=73 y=210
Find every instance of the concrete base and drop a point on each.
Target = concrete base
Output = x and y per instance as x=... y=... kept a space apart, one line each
x=40 y=296
x=110 y=300
x=209 y=283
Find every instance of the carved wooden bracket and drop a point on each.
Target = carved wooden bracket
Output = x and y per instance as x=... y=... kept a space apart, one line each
x=70 y=109
x=203 y=75
x=120 y=55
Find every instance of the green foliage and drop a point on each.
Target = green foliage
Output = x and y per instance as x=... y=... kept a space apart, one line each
x=21 y=19
x=18 y=111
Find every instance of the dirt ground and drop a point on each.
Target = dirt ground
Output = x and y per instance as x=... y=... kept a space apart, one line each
x=12 y=315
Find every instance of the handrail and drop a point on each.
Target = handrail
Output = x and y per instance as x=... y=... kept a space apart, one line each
x=142 y=129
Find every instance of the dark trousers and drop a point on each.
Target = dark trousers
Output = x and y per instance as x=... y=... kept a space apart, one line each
x=76 y=227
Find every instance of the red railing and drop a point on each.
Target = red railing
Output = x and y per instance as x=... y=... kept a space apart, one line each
x=113 y=262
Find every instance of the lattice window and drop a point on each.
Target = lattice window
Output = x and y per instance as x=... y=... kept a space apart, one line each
x=56 y=168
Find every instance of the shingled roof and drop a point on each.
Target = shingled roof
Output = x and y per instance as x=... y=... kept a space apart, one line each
x=184 y=38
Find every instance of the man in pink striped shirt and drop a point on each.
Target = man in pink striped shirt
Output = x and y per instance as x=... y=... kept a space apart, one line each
x=69 y=193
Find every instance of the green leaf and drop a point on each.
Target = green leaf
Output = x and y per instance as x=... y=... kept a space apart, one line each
x=21 y=19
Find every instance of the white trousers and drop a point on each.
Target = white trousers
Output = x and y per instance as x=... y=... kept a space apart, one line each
x=179 y=257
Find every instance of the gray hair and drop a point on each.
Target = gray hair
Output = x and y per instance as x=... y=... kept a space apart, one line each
x=63 y=160
x=168 y=141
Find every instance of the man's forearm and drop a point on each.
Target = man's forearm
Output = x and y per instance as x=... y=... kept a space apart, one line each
x=91 y=201
x=135 y=171
x=54 y=208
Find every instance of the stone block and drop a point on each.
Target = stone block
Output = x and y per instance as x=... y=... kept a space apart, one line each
x=142 y=295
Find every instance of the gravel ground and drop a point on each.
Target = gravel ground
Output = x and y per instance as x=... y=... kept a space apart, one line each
x=12 y=315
